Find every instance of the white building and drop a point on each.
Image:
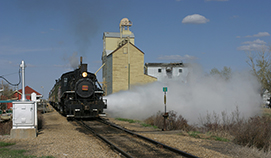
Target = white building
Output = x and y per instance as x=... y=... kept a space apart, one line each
x=162 y=71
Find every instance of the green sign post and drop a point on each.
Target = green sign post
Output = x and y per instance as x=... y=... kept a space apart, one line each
x=164 y=89
x=165 y=102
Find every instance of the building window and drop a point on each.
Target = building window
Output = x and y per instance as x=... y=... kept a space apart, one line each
x=159 y=70
x=180 y=70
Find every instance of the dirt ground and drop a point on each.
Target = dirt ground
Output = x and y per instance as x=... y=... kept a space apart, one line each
x=60 y=138
x=195 y=146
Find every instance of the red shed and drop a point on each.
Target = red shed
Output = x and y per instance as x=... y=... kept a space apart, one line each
x=17 y=95
x=28 y=91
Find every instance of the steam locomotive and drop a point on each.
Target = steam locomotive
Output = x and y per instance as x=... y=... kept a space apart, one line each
x=78 y=94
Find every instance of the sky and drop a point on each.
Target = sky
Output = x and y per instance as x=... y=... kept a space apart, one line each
x=47 y=33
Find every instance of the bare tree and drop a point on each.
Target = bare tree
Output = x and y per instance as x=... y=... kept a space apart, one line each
x=6 y=90
x=260 y=64
x=5 y=93
x=225 y=73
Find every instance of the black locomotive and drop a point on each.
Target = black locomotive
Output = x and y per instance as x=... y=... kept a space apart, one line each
x=78 y=94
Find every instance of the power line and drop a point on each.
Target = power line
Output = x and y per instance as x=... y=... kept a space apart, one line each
x=12 y=83
x=9 y=74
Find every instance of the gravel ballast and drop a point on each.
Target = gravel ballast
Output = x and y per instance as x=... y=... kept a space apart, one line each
x=60 y=138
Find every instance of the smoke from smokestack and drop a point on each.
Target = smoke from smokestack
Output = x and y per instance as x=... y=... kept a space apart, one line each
x=200 y=95
x=74 y=62
x=80 y=17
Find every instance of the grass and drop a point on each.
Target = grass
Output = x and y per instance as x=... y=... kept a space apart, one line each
x=5 y=152
x=127 y=120
x=220 y=139
x=136 y=121
x=194 y=134
x=148 y=125
x=2 y=144
x=267 y=112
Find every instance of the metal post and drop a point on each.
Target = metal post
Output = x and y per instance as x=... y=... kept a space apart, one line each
x=41 y=101
x=165 y=102
x=129 y=77
x=23 y=87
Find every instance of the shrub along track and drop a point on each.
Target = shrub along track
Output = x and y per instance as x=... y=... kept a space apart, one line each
x=128 y=143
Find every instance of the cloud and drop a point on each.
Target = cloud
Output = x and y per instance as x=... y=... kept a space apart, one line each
x=260 y=34
x=176 y=57
x=257 y=41
x=256 y=45
x=195 y=19
x=234 y=17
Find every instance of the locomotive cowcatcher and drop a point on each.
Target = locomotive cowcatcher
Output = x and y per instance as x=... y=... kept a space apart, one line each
x=78 y=94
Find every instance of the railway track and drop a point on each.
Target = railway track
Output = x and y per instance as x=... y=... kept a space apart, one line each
x=130 y=144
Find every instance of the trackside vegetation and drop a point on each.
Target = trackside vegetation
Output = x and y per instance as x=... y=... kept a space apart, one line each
x=253 y=132
x=7 y=152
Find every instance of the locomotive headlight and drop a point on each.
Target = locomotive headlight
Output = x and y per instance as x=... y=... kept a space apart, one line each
x=84 y=74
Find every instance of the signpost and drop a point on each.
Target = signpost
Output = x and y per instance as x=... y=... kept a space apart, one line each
x=165 y=102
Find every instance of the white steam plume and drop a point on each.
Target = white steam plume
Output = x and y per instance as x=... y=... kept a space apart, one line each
x=201 y=94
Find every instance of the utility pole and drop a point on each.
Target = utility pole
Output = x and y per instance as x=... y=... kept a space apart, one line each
x=23 y=86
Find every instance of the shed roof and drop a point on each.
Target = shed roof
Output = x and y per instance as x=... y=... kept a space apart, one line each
x=28 y=90
x=164 y=64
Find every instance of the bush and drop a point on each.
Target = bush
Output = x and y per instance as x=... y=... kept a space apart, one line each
x=40 y=120
x=254 y=132
x=5 y=127
x=173 y=122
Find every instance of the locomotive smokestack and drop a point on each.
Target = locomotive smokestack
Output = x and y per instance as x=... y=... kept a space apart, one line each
x=83 y=67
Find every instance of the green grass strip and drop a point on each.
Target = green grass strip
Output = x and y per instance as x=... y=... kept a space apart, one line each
x=9 y=153
x=2 y=144
x=194 y=134
x=4 y=152
x=127 y=120
x=148 y=125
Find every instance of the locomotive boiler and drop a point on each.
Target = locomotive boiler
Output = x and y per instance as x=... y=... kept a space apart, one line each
x=78 y=94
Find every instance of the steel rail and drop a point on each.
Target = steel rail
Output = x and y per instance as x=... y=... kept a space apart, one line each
x=150 y=140
x=104 y=139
